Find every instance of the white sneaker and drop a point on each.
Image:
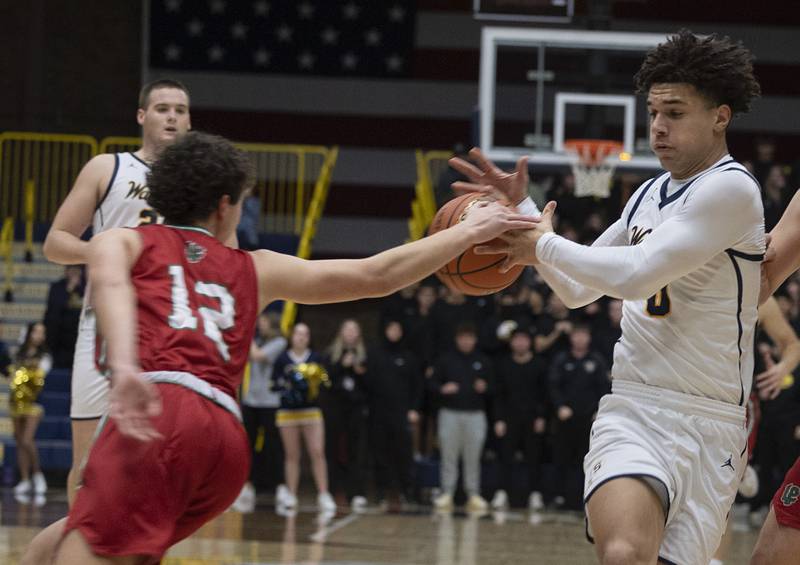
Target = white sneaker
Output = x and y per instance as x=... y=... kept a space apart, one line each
x=325 y=502
x=246 y=501
x=500 y=500
x=477 y=503
x=443 y=502
x=358 y=503
x=39 y=484
x=535 y=501
x=284 y=497
x=23 y=487
x=748 y=488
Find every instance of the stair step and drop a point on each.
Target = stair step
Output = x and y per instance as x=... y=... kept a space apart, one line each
x=27 y=291
x=40 y=271
x=10 y=331
x=12 y=311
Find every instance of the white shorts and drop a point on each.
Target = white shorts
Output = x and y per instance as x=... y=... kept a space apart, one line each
x=89 y=388
x=695 y=446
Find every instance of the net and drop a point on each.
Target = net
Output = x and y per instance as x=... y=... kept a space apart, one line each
x=593 y=162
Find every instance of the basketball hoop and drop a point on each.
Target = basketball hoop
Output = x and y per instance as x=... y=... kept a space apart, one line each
x=593 y=162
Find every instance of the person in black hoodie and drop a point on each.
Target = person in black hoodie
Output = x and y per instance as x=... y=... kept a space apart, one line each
x=394 y=394
x=345 y=408
x=520 y=405
x=578 y=379
x=463 y=378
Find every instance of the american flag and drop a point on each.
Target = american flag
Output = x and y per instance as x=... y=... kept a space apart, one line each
x=320 y=37
x=280 y=71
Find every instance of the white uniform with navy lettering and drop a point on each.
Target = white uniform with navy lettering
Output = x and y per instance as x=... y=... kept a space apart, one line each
x=124 y=204
x=685 y=258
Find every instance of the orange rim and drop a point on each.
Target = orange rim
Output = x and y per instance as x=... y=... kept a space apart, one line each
x=588 y=150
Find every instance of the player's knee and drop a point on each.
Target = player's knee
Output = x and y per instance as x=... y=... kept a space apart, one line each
x=621 y=552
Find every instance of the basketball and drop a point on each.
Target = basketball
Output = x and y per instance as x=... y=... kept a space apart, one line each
x=475 y=275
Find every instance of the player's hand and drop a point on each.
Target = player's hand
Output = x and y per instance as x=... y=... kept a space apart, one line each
x=413 y=416
x=564 y=413
x=499 y=428
x=488 y=220
x=449 y=388
x=770 y=382
x=539 y=425
x=766 y=287
x=480 y=386
x=520 y=245
x=487 y=178
x=133 y=403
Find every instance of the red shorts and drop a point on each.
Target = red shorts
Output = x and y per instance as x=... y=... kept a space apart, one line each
x=141 y=498
x=786 y=502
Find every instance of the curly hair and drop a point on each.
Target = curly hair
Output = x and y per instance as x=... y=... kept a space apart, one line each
x=187 y=181
x=719 y=68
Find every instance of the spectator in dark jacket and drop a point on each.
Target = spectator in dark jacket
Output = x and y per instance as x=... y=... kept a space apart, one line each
x=64 y=303
x=394 y=391
x=520 y=411
x=345 y=409
x=578 y=379
x=463 y=378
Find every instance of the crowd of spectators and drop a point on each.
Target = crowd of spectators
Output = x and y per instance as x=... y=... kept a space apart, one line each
x=506 y=384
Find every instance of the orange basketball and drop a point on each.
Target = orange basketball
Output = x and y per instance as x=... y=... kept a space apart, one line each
x=469 y=273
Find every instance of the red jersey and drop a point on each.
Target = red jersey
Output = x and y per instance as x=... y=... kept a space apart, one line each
x=197 y=303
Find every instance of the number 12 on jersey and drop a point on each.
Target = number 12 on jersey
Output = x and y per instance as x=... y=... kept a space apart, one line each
x=214 y=321
x=659 y=304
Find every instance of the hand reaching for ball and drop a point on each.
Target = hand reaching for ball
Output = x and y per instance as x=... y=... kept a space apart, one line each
x=487 y=178
x=490 y=219
x=520 y=246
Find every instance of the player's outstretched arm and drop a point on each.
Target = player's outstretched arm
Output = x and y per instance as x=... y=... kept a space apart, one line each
x=317 y=282
x=717 y=217
x=769 y=382
x=63 y=243
x=488 y=178
x=784 y=254
x=133 y=400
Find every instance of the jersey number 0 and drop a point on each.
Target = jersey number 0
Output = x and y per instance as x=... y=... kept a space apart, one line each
x=659 y=304
x=214 y=321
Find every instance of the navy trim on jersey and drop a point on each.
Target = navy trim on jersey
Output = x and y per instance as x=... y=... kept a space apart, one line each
x=746 y=172
x=137 y=158
x=666 y=561
x=755 y=257
x=639 y=200
x=108 y=188
x=665 y=200
x=739 y=299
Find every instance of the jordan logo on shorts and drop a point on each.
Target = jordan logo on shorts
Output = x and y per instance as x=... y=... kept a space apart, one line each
x=790 y=494
x=728 y=463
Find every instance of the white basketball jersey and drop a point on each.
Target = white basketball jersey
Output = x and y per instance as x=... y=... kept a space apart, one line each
x=696 y=334
x=124 y=204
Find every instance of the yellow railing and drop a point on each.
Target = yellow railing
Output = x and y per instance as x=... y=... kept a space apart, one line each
x=312 y=217
x=119 y=144
x=7 y=252
x=49 y=161
x=37 y=171
x=430 y=165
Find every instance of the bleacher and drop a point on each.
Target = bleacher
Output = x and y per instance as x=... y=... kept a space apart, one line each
x=31 y=281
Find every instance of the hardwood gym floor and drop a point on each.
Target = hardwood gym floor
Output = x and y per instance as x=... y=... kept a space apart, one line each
x=375 y=537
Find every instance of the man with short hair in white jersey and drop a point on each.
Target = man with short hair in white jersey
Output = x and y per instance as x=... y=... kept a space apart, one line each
x=668 y=447
x=110 y=192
